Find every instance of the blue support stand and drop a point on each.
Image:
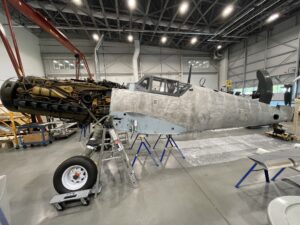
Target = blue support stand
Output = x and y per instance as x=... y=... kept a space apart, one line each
x=144 y=143
x=170 y=141
x=245 y=175
x=267 y=177
x=277 y=174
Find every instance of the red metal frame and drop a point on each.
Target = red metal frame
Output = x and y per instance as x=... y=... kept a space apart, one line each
x=44 y=24
x=10 y=52
x=5 y=6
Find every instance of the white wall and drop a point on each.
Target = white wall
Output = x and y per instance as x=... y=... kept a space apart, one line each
x=116 y=62
x=29 y=51
x=275 y=51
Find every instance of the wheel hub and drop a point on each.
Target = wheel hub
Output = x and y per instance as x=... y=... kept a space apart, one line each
x=74 y=177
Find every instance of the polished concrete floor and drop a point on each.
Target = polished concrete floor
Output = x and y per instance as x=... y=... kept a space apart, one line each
x=176 y=193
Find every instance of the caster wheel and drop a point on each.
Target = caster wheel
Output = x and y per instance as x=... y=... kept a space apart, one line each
x=24 y=146
x=59 y=207
x=85 y=201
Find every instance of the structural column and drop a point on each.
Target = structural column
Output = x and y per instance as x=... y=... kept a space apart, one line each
x=223 y=71
x=97 y=66
x=296 y=92
x=135 y=60
x=245 y=65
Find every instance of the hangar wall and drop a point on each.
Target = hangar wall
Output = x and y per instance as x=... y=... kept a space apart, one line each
x=275 y=50
x=29 y=50
x=116 y=62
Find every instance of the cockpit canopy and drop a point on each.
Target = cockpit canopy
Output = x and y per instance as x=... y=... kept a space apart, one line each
x=160 y=85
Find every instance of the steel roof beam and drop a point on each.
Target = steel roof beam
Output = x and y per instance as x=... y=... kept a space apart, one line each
x=195 y=24
x=160 y=17
x=104 y=15
x=81 y=23
x=118 y=15
x=146 y=15
x=91 y=16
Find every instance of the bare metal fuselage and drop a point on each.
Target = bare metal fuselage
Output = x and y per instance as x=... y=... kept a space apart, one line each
x=198 y=109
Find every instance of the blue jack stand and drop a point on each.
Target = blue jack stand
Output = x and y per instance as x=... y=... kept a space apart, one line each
x=266 y=171
x=145 y=143
x=170 y=141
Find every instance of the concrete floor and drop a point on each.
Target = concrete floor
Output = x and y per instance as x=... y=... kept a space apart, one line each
x=175 y=194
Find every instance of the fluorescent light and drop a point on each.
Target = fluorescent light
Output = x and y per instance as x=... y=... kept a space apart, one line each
x=77 y=2
x=54 y=61
x=130 y=38
x=163 y=39
x=95 y=37
x=228 y=10
x=131 y=4
x=219 y=47
x=273 y=17
x=194 y=40
x=183 y=8
x=66 y=61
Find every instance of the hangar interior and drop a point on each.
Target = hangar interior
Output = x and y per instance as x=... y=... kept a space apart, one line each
x=149 y=112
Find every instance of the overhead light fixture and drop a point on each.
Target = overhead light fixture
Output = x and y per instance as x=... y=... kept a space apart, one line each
x=66 y=61
x=95 y=37
x=273 y=17
x=227 y=10
x=194 y=40
x=163 y=39
x=77 y=2
x=130 y=38
x=183 y=8
x=219 y=47
x=131 y=4
x=54 y=61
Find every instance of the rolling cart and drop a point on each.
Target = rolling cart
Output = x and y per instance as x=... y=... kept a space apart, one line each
x=34 y=134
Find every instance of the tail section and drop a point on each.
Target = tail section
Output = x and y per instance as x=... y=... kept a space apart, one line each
x=265 y=87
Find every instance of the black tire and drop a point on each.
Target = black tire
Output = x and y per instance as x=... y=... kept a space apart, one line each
x=83 y=161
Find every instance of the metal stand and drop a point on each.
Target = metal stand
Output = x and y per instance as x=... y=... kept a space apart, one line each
x=266 y=172
x=61 y=201
x=120 y=148
x=143 y=143
x=170 y=141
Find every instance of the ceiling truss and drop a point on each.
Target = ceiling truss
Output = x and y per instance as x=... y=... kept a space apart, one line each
x=152 y=19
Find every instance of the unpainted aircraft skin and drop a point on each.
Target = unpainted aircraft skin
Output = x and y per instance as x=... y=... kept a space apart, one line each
x=198 y=109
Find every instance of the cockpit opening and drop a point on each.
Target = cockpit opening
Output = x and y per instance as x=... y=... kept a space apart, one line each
x=159 y=85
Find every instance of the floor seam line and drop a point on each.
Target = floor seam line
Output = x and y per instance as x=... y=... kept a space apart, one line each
x=200 y=188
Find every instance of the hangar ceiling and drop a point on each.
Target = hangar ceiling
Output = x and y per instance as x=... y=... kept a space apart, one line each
x=151 y=19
